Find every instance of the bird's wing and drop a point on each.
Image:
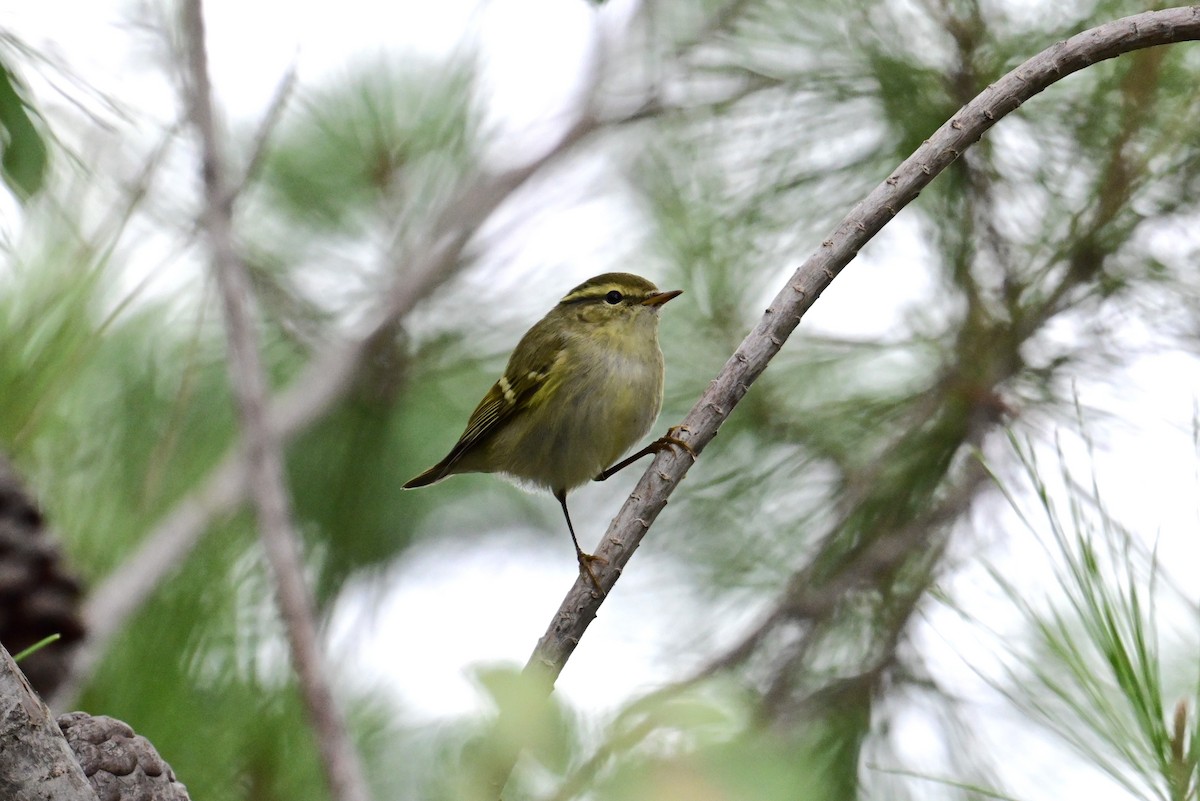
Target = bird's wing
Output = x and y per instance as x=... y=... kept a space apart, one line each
x=515 y=392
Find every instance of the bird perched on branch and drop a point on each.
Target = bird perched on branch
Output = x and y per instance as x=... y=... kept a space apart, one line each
x=582 y=386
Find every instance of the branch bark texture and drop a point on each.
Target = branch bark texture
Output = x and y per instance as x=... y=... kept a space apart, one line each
x=751 y=358
x=35 y=761
x=263 y=445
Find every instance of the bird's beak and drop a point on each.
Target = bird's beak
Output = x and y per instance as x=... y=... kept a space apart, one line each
x=659 y=298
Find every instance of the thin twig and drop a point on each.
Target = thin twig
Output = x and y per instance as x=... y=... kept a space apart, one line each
x=669 y=467
x=266 y=127
x=264 y=457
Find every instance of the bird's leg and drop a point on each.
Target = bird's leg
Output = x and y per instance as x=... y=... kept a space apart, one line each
x=585 y=559
x=660 y=444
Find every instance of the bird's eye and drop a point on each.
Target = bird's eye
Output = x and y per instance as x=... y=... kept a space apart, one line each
x=613 y=297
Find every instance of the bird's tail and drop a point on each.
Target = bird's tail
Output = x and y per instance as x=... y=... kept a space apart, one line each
x=430 y=476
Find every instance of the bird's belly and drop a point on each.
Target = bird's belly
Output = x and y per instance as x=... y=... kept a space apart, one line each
x=588 y=426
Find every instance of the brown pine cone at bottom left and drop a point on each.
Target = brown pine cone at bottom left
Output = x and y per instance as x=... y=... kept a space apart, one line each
x=119 y=765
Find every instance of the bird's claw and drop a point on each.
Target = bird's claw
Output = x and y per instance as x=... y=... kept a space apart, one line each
x=670 y=439
x=585 y=567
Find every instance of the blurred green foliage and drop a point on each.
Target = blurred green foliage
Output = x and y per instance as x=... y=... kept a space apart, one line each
x=385 y=133
x=1093 y=667
x=25 y=157
x=831 y=500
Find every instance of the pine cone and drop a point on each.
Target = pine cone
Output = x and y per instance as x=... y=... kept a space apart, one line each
x=120 y=765
x=38 y=594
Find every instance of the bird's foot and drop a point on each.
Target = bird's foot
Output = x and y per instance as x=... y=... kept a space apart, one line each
x=660 y=444
x=670 y=439
x=585 y=567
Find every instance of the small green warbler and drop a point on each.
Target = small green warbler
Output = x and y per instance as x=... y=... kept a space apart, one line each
x=583 y=385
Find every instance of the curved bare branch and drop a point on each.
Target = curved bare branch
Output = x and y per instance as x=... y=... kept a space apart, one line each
x=751 y=358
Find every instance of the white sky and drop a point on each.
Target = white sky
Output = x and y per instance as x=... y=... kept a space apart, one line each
x=533 y=49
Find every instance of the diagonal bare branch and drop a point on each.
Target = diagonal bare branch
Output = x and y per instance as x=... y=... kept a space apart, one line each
x=818 y=271
x=751 y=358
x=264 y=448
